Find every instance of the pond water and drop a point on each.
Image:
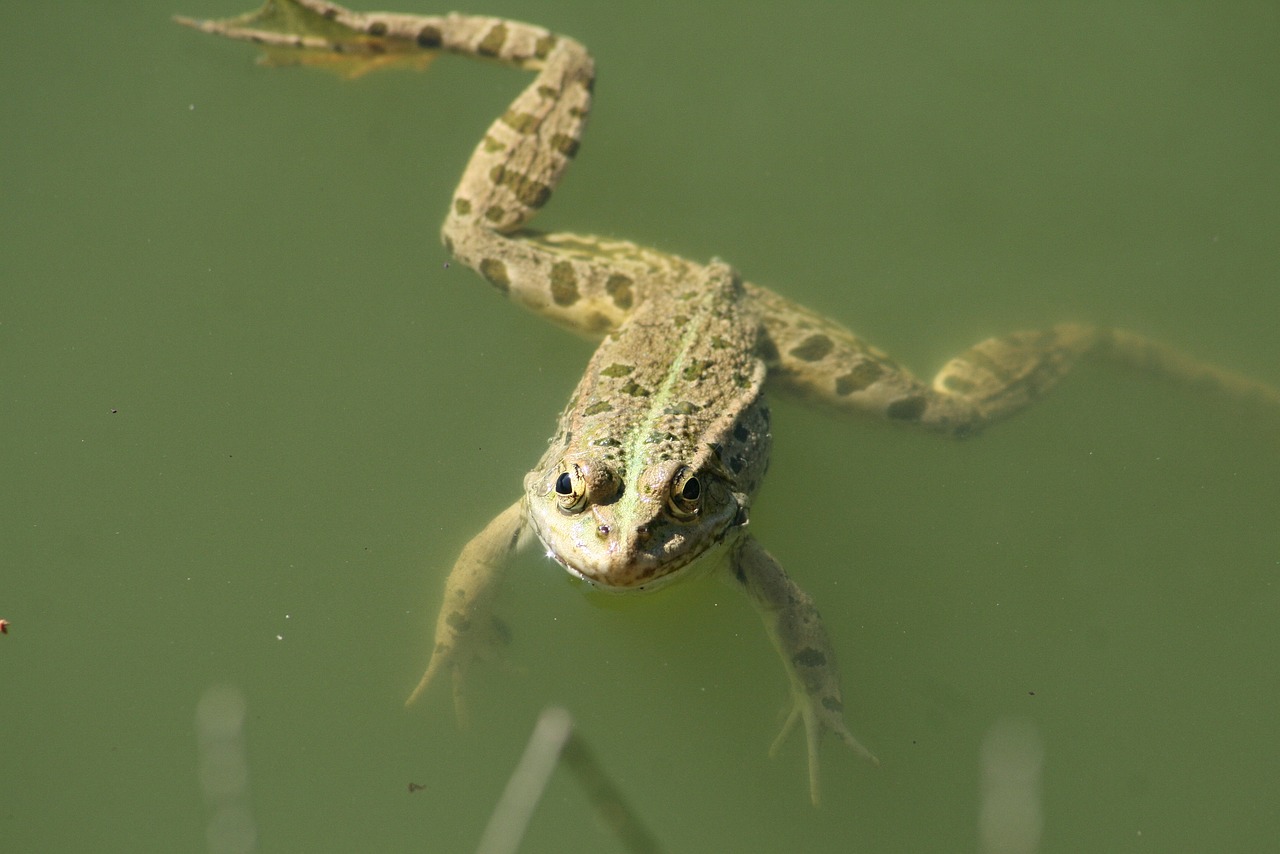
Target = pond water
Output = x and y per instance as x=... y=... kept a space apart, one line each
x=252 y=414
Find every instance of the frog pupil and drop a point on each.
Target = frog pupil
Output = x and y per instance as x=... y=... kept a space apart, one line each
x=691 y=489
x=564 y=484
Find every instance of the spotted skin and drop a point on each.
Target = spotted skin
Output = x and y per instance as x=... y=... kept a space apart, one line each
x=661 y=449
x=654 y=404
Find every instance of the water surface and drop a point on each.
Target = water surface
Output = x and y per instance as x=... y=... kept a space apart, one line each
x=251 y=416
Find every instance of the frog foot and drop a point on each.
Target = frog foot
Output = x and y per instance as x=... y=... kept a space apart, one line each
x=818 y=719
x=320 y=35
x=456 y=657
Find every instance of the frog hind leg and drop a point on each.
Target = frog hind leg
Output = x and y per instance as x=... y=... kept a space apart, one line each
x=582 y=282
x=796 y=629
x=822 y=361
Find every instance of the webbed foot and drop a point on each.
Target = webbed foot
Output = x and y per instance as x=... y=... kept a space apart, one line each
x=817 y=722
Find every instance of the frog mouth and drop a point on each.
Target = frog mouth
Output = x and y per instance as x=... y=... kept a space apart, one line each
x=646 y=573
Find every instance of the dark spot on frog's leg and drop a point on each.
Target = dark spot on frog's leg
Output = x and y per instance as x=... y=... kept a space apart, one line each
x=377 y=28
x=618 y=370
x=457 y=621
x=543 y=47
x=618 y=287
x=598 y=407
x=429 y=36
x=832 y=704
x=565 y=144
x=859 y=378
x=907 y=408
x=564 y=284
x=496 y=272
x=461 y=207
x=768 y=350
x=523 y=123
x=957 y=384
x=809 y=657
x=494 y=214
x=491 y=44
x=813 y=349
x=530 y=193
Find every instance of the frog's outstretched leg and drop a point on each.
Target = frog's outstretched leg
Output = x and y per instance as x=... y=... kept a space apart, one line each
x=586 y=283
x=1002 y=375
x=796 y=629
x=590 y=284
x=465 y=628
x=824 y=362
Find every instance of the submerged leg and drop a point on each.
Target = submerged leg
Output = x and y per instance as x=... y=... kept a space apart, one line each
x=824 y=362
x=465 y=628
x=796 y=630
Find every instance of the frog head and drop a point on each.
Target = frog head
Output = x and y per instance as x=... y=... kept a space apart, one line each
x=625 y=533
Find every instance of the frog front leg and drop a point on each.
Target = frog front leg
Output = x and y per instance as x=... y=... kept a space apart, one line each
x=796 y=629
x=466 y=627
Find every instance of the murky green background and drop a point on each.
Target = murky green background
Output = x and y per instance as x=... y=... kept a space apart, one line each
x=250 y=417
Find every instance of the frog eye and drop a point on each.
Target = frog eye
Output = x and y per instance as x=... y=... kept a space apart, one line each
x=686 y=492
x=571 y=490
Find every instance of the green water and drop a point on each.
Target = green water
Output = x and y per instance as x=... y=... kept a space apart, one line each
x=250 y=417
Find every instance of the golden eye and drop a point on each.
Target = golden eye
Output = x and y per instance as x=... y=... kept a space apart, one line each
x=686 y=492
x=571 y=490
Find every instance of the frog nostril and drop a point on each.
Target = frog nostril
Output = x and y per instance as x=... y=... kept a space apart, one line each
x=603 y=530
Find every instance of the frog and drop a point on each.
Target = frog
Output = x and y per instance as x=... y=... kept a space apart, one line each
x=656 y=460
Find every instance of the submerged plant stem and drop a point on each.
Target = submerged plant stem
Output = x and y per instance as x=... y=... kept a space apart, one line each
x=554 y=740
